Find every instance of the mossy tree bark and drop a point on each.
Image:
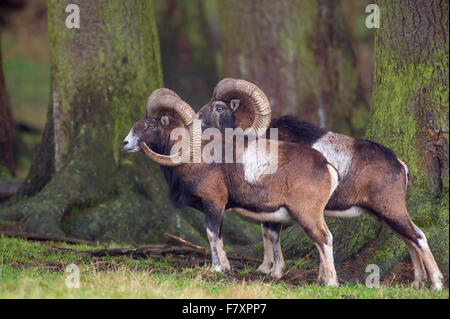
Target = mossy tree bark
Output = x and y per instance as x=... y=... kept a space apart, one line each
x=80 y=183
x=6 y=127
x=299 y=53
x=409 y=114
x=410 y=109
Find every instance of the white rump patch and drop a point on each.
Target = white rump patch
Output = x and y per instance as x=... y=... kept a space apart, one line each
x=337 y=149
x=349 y=213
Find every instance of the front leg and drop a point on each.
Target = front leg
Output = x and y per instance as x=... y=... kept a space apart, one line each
x=213 y=224
x=221 y=251
x=267 y=263
x=274 y=231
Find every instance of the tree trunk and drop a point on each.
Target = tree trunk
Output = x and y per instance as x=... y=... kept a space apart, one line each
x=6 y=127
x=80 y=183
x=299 y=53
x=410 y=105
x=186 y=49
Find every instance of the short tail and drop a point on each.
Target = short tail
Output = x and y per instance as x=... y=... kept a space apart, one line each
x=406 y=170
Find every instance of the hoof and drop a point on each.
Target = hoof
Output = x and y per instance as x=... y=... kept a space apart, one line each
x=226 y=267
x=277 y=271
x=216 y=268
x=276 y=274
x=418 y=284
x=437 y=286
x=264 y=269
x=332 y=284
x=436 y=282
x=329 y=283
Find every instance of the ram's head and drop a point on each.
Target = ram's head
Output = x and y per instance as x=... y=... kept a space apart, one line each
x=237 y=103
x=165 y=111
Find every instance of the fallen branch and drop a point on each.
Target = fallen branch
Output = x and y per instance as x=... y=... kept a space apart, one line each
x=41 y=237
x=183 y=241
x=156 y=250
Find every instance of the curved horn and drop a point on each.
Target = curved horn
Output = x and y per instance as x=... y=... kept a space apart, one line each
x=230 y=88
x=174 y=104
x=157 y=94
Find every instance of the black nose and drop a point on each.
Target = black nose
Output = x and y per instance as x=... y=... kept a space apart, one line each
x=125 y=142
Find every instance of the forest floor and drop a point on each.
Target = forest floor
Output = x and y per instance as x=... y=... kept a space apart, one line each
x=31 y=269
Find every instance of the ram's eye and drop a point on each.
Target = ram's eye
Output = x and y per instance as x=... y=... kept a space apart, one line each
x=219 y=107
x=151 y=125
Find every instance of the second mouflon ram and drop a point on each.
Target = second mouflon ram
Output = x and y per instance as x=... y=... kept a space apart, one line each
x=371 y=178
x=299 y=188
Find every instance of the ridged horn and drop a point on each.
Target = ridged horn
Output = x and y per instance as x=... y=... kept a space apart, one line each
x=228 y=89
x=157 y=94
x=174 y=104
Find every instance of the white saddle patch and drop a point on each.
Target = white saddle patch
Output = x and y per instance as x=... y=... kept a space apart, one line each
x=337 y=149
x=255 y=161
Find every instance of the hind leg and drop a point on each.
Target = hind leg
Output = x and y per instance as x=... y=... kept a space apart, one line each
x=396 y=216
x=420 y=274
x=267 y=263
x=424 y=251
x=315 y=227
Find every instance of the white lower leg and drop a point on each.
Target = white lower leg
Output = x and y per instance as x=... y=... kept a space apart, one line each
x=429 y=262
x=267 y=263
x=278 y=261
x=212 y=237
x=327 y=260
x=222 y=255
x=420 y=274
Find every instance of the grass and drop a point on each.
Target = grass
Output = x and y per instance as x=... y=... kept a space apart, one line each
x=37 y=270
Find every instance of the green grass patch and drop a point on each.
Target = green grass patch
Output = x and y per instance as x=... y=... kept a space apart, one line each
x=37 y=270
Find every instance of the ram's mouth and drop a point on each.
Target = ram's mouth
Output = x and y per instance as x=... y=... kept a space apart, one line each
x=131 y=149
x=131 y=143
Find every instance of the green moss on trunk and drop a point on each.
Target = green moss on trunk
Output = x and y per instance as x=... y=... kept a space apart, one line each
x=409 y=111
x=102 y=75
x=81 y=184
x=6 y=127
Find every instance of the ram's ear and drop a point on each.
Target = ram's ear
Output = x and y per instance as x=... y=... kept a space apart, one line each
x=234 y=104
x=165 y=121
